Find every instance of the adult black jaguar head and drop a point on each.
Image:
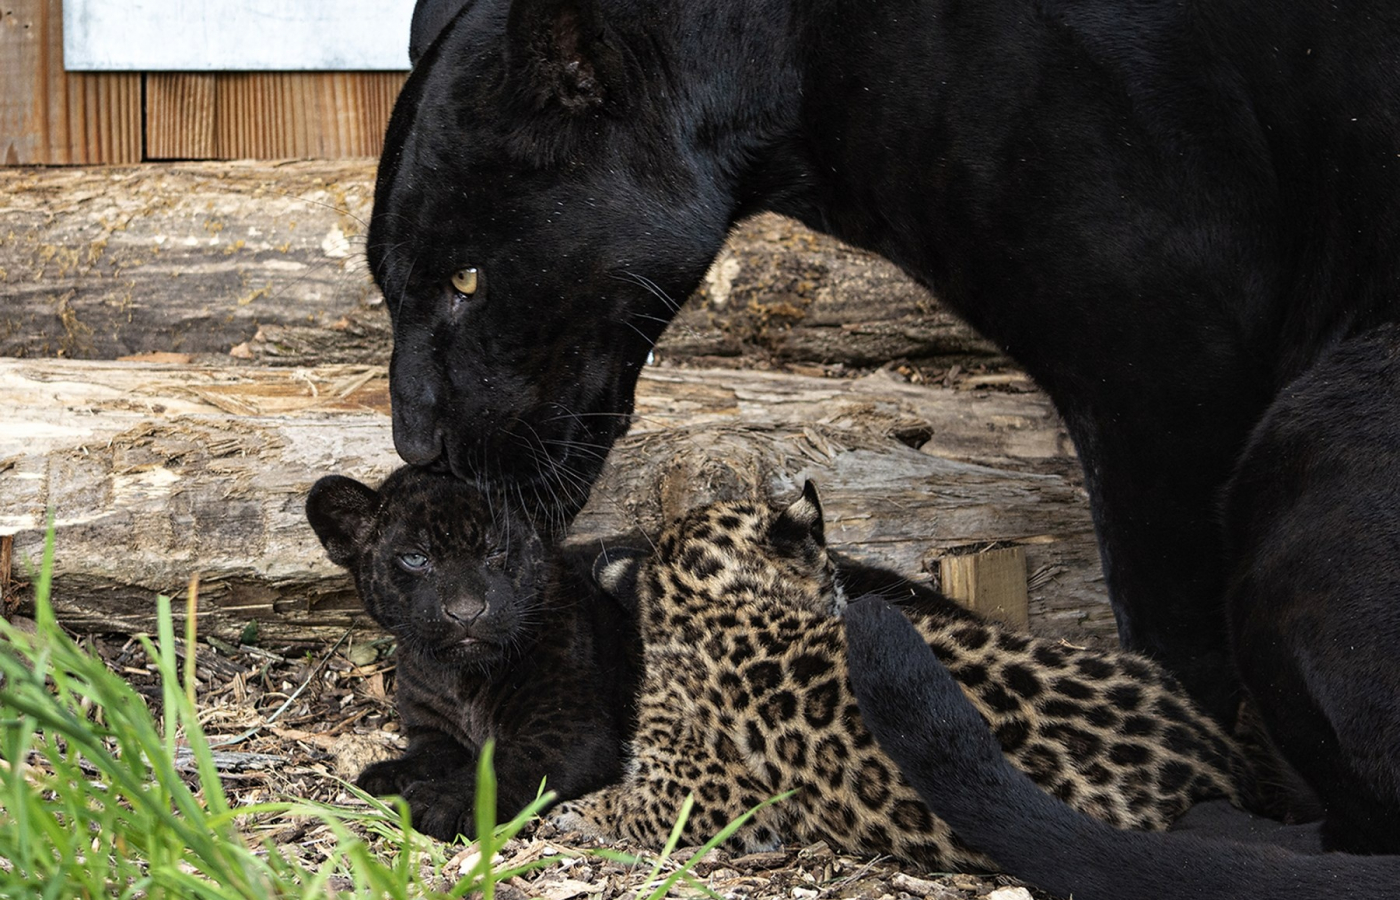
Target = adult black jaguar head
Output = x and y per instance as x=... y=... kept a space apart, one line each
x=556 y=178
x=455 y=575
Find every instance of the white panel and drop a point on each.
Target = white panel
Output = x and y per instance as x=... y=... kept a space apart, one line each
x=212 y=35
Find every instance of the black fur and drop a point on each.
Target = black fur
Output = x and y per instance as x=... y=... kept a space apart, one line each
x=1313 y=516
x=1166 y=210
x=498 y=636
x=918 y=713
x=430 y=17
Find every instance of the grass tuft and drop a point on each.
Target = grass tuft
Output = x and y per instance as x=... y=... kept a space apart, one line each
x=92 y=804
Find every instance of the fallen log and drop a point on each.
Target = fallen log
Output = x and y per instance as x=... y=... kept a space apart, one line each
x=157 y=472
x=98 y=263
x=266 y=261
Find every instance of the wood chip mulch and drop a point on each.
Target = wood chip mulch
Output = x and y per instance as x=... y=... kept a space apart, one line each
x=289 y=722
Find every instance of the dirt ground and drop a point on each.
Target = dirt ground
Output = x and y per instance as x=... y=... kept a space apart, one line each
x=287 y=722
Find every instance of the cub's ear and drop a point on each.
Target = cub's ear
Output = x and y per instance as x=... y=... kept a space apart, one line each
x=560 y=51
x=341 y=511
x=799 y=523
x=616 y=572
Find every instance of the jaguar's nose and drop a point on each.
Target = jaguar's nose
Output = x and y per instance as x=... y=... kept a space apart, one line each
x=415 y=394
x=416 y=444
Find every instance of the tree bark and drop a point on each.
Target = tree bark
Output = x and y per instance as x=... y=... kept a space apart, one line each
x=266 y=261
x=189 y=258
x=158 y=471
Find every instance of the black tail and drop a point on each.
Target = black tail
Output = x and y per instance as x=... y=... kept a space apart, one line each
x=912 y=705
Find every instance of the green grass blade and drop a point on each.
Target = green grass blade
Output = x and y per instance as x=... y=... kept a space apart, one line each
x=43 y=584
x=724 y=834
x=671 y=841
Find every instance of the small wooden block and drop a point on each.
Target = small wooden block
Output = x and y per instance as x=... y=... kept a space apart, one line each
x=7 y=542
x=992 y=583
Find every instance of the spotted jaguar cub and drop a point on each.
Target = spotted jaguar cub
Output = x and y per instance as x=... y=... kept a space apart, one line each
x=745 y=695
x=500 y=636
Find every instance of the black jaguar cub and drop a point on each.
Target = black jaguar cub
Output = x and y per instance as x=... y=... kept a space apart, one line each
x=500 y=636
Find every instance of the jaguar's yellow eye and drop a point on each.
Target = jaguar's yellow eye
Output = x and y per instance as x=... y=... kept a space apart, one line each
x=464 y=281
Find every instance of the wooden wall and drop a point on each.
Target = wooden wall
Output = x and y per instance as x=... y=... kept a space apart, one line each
x=49 y=116
x=268 y=115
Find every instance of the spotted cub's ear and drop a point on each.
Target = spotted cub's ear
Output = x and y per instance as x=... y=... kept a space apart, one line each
x=616 y=570
x=341 y=511
x=799 y=523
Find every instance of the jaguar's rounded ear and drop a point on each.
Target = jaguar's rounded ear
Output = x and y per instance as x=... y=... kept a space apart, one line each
x=341 y=512
x=561 y=51
x=801 y=522
x=616 y=572
x=430 y=17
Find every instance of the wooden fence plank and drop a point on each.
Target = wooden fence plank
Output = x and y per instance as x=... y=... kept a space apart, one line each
x=301 y=115
x=268 y=115
x=180 y=115
x=49 y=116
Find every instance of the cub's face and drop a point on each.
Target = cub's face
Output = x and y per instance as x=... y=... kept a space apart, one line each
x=454 y=575
x=733 y=555
x=538 y=218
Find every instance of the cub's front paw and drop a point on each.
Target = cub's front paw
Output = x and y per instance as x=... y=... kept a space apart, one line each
x=588 y=815
x=569 y=820
x=442 y=807
x=390 y=776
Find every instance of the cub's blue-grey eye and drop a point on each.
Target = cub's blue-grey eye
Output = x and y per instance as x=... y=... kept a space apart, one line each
x=413 y=562
x=465 y=281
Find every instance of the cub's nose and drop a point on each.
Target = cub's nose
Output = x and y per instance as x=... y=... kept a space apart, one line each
x=464 y=611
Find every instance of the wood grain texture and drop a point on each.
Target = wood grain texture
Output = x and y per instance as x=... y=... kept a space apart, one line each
x=202 y=257
x=49 y=116
x=187 y=258
x=992 y=582
x=157 y=472
x=269 y=115
x=52 y=117
x=180 y=116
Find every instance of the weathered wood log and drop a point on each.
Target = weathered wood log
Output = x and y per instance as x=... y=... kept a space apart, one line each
x=98 y=263
x=267 y=261
x=156 y=472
